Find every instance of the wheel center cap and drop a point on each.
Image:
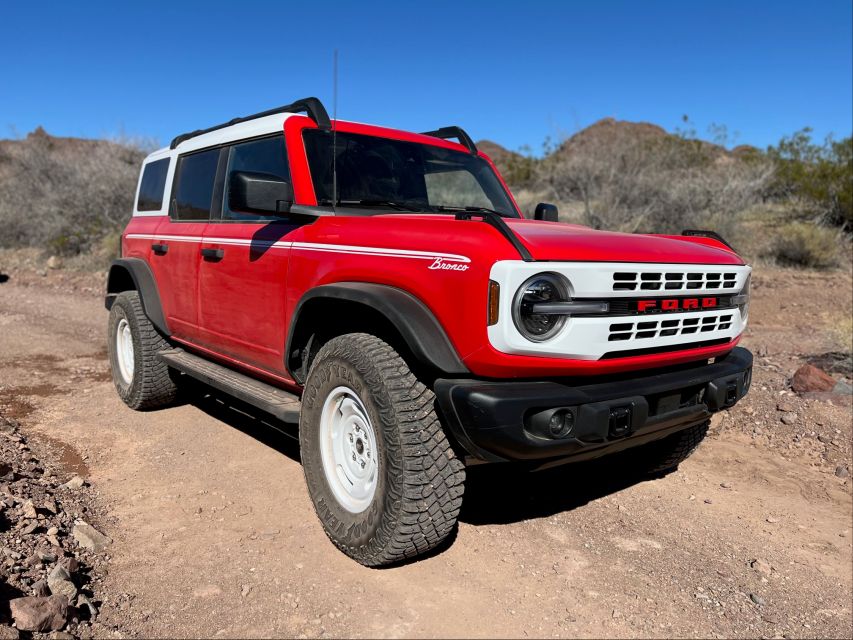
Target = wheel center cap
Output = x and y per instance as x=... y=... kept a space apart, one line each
x=359 y=446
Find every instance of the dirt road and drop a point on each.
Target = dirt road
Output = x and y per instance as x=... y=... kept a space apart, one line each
x=214 y=533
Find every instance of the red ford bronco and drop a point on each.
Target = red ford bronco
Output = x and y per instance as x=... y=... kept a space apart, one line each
x=382 y=289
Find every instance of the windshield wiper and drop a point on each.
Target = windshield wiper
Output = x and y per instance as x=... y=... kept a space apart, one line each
x=445 y=208
x=400 y=206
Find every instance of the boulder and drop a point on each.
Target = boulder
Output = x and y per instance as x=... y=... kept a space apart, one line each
x=809 y=378
x=39 y=614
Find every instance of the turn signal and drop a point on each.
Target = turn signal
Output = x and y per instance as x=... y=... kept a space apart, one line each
x=494 y=299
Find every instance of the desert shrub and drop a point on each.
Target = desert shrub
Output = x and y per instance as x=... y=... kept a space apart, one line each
x=632 y=180
x=817 y=176
x=802 y=244
x=65 y=194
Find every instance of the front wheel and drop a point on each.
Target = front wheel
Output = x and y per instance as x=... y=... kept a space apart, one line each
x=383 y=478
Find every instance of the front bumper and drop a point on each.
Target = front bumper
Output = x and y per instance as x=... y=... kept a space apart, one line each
x=498 y=420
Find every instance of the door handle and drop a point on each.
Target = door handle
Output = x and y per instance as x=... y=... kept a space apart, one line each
x=160 y=249
x=212 y=254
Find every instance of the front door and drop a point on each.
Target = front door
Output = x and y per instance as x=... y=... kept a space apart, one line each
x=243 y=274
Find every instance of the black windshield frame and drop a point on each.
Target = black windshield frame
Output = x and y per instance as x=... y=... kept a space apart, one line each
x=387 y=175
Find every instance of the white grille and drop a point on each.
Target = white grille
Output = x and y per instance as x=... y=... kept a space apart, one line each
x=593 y=337
x=673 y=280
x=672 y=327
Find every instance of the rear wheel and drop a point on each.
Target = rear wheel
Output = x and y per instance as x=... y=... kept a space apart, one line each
x=664 y=456
x=383 y=478
x=141 y=379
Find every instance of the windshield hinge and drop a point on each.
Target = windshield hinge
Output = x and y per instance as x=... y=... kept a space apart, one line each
x=500 y=224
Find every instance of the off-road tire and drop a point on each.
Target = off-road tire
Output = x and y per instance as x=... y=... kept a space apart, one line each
x=151 y=385
x=420 y=479
x=664 y=456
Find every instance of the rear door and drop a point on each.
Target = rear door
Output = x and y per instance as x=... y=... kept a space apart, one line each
x=176 y=248
x=242 y=280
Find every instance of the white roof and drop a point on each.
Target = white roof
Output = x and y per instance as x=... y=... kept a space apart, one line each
x=240 y=131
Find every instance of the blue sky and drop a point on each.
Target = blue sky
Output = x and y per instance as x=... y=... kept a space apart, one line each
x=507 y=71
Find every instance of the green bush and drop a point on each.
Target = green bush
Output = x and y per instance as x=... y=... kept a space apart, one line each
x=802 y=244
x=818 y=175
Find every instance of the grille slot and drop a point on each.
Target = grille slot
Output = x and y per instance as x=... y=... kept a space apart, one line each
x=671 y=327
x=672 y=281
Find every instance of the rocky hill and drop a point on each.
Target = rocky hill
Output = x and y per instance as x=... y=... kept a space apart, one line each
x=73 y=191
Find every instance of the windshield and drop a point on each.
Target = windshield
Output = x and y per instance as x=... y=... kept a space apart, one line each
x=403 y=176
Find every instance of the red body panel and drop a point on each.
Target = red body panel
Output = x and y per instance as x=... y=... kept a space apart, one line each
x=238 y=309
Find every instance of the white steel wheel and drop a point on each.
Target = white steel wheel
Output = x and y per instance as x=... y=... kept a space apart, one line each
x=124 y=350
x=348 y=449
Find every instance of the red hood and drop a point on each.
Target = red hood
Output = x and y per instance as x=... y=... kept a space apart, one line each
x=571 y=242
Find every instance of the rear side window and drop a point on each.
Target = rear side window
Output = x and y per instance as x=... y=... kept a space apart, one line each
x=153 y=185
x=195 y=176
x=266 y=155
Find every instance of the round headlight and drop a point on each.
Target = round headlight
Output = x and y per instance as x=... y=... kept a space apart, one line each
x=543 y=287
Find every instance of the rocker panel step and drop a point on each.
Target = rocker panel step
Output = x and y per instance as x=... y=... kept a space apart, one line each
x=283 y=405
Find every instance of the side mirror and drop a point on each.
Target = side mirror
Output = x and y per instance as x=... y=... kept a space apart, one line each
x=259 y=193
x=546 y=212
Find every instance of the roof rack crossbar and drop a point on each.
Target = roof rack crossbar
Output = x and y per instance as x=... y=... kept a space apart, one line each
x=454 y=132
x=312 y=106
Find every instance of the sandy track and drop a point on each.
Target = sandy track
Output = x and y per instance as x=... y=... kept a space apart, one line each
x=215 y=534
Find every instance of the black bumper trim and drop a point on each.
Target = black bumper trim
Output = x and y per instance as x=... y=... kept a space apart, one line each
x=494 y=420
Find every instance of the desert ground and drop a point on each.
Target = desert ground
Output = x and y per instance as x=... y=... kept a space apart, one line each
x=213 y=534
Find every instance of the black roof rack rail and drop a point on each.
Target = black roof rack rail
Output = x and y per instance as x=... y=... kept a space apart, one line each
x=312 y=106
x=454 y=132
x=702 y=233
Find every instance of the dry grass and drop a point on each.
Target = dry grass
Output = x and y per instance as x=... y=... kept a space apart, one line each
x=803 y=244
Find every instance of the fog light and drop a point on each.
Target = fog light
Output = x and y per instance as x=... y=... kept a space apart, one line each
x=551 y=423
x=561 y=423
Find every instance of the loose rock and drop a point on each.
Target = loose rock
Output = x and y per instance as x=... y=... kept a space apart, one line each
x=786 y=407
x=842 y=388
x=761 y=566
x=75 y=483
x=809 y=378
x=842 y=471
x=87 y=536
x=59 y=581
x=39 y=614
x=29 y=510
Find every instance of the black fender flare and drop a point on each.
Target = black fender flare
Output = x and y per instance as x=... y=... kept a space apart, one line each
x=143 y=282
x=419 y=328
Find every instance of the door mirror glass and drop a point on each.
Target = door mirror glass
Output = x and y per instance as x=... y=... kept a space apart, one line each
x=546 y=212
x=262 y=193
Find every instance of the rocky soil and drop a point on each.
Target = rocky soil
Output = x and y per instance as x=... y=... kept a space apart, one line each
x=213 y=535
x=51 y=558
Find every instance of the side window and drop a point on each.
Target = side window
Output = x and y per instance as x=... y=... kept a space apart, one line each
x=195 y=176
x=153 y=184
x=266 y=155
